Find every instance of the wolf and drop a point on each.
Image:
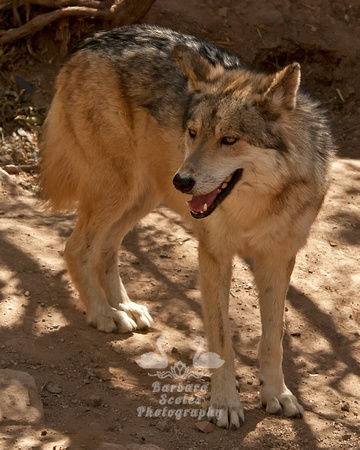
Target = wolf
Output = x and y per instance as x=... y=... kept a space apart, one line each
x=144 y=116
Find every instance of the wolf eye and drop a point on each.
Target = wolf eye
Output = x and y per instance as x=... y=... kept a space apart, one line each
x=192 y=132
x=228 y=140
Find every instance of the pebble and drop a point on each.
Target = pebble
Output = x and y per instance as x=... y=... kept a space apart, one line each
x=20 y=400
x=205 y=427
x=53 y=388
x=6 y=159
x=26 y=185
x=163 y=425
x=103 y=374
x=345 y=407
x=94 y=400
x=11 y=169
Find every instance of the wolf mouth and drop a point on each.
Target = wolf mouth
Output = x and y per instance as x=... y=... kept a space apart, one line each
x=203 y=205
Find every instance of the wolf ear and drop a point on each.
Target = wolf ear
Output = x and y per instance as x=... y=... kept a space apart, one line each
x=283 y=88
x=195 y=67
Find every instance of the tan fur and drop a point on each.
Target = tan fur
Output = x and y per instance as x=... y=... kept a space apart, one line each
x=109 y=155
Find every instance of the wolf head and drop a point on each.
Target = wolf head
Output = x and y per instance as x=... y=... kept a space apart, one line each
x=238 y=131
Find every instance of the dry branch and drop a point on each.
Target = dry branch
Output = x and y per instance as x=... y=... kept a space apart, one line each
x=123 y=12
x=63 y=3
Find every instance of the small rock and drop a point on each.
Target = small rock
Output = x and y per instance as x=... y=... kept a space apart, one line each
x=333 y=244
x=6 y=159
x=205 y=426
x=19 y=399
x=26 y=185
x=18 y=156
x=27 y=294
x=21 y=132
x=163 y=425
x=103 y=374
x=11 y=169
x=53 y=388
x=345 y=407
x=8 y=182
x=94 y=400
x=346 y=437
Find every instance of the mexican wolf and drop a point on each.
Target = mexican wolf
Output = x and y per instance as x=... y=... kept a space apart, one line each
x=139 y=110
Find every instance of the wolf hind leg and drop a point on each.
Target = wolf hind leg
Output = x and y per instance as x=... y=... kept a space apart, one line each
x=110 y=278
x=107 y=259
x=91 y=256
x=272 y=274
x=80 y=258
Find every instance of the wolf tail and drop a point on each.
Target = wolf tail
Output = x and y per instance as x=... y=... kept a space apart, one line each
x=58 y=182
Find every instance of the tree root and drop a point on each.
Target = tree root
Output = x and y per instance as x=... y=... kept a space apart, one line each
x=116 y=12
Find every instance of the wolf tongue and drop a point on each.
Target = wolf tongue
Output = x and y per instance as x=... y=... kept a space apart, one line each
x=198 y=201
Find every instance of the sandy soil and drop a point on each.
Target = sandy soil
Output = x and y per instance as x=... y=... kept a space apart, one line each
x=100 y=392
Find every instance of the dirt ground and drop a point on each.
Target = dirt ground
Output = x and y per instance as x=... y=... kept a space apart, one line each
x=90 y=385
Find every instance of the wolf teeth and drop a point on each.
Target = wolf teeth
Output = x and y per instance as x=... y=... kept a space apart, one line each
x=225 y=184
x=205 y=207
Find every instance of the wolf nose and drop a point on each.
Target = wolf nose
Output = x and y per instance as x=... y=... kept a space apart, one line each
x=183 y=182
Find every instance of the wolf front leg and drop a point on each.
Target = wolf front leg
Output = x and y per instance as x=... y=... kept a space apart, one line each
x=272 y=274
x=215 y=274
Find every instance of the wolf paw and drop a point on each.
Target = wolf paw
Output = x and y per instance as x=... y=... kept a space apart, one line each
x=229 y=416
x=126 y=318
x=138 y=314
x=112 y=321
x=285 y=403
